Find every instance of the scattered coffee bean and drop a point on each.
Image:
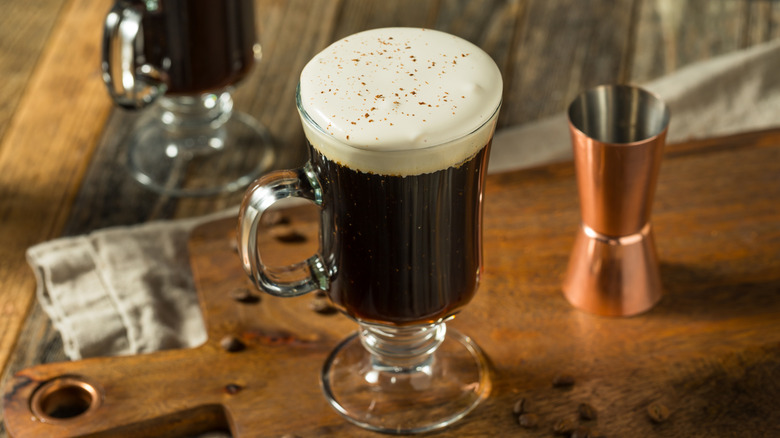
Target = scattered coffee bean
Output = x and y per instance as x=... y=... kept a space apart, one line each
x=244 y=295
x=233 y=245
x=528 y=421
x=231 y=344
x=657 y=412
x=232 y=388
x=323 y=306
x=563 y=381
x=519 y=407
x=563 y=427
x=320 y=294
x=287 y=234
x=581 y=432
x=586 y=411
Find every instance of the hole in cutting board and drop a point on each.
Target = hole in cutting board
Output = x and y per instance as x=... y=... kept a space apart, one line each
x=64 y=398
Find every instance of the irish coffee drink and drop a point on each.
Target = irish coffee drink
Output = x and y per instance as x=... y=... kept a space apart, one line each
x=399 y=124
x=406 y=248
x=179 y=60
x=201 y=45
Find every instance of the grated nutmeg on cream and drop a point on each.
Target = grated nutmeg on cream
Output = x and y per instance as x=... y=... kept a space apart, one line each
x=381 y=92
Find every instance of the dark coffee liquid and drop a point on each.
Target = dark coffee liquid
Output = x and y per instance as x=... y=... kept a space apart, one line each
x=202 y=45
x=406 y=250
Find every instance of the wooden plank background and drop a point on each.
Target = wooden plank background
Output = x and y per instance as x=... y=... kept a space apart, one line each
x=60 y=136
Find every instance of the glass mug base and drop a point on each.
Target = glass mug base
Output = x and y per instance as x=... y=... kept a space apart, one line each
x=197 y=146
x=447 y=382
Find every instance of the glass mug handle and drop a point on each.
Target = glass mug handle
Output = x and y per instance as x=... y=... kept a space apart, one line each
x=285 y=281
x=130 y=86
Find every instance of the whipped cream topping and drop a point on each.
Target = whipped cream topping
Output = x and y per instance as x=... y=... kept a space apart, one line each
x=400 y=100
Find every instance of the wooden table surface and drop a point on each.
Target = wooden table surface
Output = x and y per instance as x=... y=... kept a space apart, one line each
x=60 y=134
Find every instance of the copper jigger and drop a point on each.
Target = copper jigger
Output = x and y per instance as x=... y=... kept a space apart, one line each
x=618 y=134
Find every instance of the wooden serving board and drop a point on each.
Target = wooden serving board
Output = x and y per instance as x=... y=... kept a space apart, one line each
x=709 y=352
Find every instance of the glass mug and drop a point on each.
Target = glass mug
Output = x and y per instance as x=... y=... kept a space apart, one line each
x=185 y=56
x=398 y=159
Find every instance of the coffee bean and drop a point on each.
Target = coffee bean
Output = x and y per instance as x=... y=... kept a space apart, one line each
x=528 y=421
x=244 y=295
x=231 y=344
x=232 y=388
x=519 y=407
x=658 y=412
x=286 y=234
x=563 y=381
x=323 y=307
x=563 y=427
x=586 y=411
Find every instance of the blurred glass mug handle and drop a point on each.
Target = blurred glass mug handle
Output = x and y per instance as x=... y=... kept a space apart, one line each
x=286 y=281
x=131 y=86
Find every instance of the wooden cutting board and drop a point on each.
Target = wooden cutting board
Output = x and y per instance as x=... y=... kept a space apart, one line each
x=709 y=352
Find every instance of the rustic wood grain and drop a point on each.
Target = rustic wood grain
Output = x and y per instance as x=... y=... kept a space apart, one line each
x=45 y=151
x=563 y=47
x=671 y=35
x=763 y=22
x=24 y=29
x=708 y=351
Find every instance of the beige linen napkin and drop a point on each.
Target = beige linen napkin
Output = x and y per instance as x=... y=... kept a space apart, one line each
x=129 y=290
x=121 y=290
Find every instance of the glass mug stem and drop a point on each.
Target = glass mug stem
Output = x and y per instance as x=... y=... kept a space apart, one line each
x=202 y=111
x=402 y=349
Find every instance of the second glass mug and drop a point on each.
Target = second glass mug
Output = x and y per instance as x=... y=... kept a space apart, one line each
x=399 y=254
x=185 y=57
